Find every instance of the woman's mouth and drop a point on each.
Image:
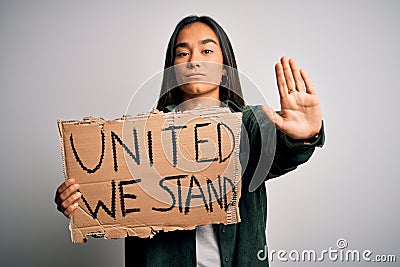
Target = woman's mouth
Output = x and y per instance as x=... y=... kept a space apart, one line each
x=195 y=75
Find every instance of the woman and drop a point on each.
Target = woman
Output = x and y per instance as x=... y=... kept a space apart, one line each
x=196 y=42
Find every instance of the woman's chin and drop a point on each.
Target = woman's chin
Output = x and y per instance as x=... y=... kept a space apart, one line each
x=199 y=89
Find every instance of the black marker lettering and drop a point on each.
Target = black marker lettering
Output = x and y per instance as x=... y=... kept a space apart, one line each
x=190 y=195
x=123 y=196
x=225 y=191
x=71 y=140
x=210 y=186
x=150 y=147
x=220 y=141
x=172 y=128
x=102 y=205
x=135 y=157
x=161 y=183
x=197 y=142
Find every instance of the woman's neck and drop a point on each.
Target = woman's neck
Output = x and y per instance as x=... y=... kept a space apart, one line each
x=204 y=102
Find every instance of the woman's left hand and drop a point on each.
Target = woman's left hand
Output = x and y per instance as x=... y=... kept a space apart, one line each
x=300 y=115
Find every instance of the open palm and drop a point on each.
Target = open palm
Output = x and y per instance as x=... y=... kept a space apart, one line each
x=300 y=116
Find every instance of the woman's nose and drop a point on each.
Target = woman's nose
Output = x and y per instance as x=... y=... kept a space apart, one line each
x=193 y=64
x=194 y=60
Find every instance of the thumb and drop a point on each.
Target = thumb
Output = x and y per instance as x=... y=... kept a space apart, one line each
x=273 y=116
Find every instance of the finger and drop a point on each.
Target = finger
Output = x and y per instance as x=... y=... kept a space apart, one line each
x=65 y=185
x=61 y=189
x=70 y=201
x=307 y=81
x=291 y=86
x=68 y=212
x=296 y=75
x=68 y=192
x=280 y=80
x=273 y=116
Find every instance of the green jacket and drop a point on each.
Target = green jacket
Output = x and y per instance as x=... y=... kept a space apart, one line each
x=238 y=243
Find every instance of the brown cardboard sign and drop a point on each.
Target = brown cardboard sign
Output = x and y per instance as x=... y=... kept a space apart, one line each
x=153 y=172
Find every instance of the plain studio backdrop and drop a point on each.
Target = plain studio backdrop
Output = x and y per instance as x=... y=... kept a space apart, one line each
x=70 y=59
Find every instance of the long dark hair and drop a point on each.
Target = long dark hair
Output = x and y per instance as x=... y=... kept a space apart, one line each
x=230 y=90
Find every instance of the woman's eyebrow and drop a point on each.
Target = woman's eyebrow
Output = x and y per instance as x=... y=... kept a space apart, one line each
x=202 y=42
x=182 y=45
x=205 y=41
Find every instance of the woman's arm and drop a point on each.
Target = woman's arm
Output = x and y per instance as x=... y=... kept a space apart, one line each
x=299 y=127
x=290 y=152
x=271 y=152
x=299 y=123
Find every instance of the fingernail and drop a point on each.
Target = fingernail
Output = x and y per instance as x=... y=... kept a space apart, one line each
x=70 y=180
x=75 y=204
x=78 y=194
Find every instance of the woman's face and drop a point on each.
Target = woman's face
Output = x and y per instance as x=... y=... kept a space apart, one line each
x=198 y=62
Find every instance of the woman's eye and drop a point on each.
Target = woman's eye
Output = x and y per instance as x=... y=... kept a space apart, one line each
x=207 y=51
x=182 y=54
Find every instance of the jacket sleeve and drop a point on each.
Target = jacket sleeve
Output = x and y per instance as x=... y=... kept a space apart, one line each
x=291 y=153
x=272 y=153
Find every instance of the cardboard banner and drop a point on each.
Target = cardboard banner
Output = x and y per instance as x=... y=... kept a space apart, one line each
x=155 y=171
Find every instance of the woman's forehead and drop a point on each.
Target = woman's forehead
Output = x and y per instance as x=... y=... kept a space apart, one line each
x=196 y=32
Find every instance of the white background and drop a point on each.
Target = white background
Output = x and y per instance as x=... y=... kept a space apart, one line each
x=69 y=59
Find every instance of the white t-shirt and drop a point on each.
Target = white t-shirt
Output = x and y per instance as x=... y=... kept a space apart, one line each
x=207 y=250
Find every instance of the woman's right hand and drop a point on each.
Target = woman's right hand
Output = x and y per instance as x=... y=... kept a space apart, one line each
x=66 y=198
